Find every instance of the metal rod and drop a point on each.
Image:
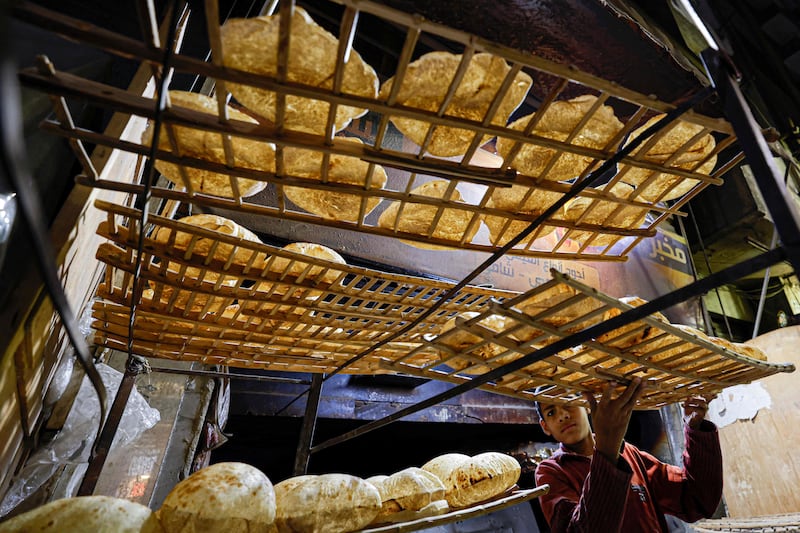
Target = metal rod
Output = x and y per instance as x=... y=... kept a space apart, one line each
x=694 y=289
x=241 y=377
x=763 y=297
x=768 y=178
x=102 y=446
x=309 y=425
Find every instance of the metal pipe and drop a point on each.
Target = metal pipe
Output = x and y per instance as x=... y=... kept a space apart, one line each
x=763 y=297
x=242 y=377
x=309 y=425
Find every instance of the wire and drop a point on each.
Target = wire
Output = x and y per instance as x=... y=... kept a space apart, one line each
x=14 y=165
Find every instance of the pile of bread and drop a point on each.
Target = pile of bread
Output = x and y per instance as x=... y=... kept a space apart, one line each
x=348 y=188
x=213 y=292
x=239 y=498
x=475 y=343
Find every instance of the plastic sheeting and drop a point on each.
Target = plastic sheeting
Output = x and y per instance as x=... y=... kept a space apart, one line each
x=74 y=442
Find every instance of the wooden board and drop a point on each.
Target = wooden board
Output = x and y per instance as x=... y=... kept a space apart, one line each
x=762 y=466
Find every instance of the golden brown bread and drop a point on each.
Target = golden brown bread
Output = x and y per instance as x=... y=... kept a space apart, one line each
x=252 y=45
x=669 y=143
x=460 y=340
x=417 y=217
x=632 y=333
x=202 y=246
x=426 y=83
x=221 y=497
x=201 y=144
x=326 y=503
x=469 y=480
x=98 y=514
x=558 y=121
x=332 y=205
x=410 y=489
x=604 y=213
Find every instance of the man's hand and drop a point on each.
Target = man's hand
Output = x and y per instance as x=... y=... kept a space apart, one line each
x=694 y=411
x=610 y=416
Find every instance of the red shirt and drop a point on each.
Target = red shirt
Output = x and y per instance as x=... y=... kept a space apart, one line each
x=592 y=494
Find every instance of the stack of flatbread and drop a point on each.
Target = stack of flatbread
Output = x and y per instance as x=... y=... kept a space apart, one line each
x=426 y=82
x=232 y=497
x=601 y=212
x=558 y=122
x=327 y=503
x=98 y=514
x=460 y=341
x=520 y=200
x=205 y=248
x=420 y=218
x=340 y=169
x=409 y=494
x=470 y=480
x=252 y=45
x=682 y=145
x=207 y=145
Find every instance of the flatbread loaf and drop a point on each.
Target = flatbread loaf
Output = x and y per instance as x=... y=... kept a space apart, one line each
x=341 y=169
x=632 y=333
x=202 y=144
x=293 y=269
x=233 y=497
x=520 y=200
x=329 y=503
x=417 y=217
x=475 y=479
x=426 y=83
x=194 y=293
x=460 y=340
x=669 y=143
x=252 y=45
x=740 y=348
x=410 y=489
x=599 y=211
x=221 y=250
x=98 y=514
x=558 y=121
x=554 y=301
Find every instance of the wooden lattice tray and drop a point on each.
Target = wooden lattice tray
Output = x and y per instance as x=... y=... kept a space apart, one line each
x=264 y=167
x=268 y=308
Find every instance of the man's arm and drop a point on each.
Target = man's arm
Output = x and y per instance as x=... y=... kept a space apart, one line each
x=694 y=491
x=598 y=504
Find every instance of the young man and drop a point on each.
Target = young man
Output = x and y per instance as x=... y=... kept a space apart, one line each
x=600 y=483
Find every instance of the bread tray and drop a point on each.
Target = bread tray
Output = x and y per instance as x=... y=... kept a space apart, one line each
x=273 y=321
x=608 y=238
x=515 y=498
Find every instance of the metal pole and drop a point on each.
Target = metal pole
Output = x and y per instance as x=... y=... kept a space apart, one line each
x=309 y=425
x=763 y=297
x=133 y=366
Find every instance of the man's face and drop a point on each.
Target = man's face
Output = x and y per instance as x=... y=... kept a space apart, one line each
x=566 y=423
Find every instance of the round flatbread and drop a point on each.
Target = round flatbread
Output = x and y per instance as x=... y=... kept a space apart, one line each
x=460 y=340
x=417 y=217
x=348 y=170
x=252 y=45
x=232 y=497
x=327 y=503
x=426 y=83
x=558 y=121
x=410 y=489
x=604 y=213
x=469 y=480
x=203 y=246
x=670 y=185
x=632 y=333
x=98 y=514
x=202 y=144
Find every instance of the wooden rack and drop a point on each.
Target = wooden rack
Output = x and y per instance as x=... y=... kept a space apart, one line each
x=256 y=318
x=408 y=167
